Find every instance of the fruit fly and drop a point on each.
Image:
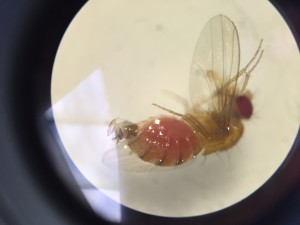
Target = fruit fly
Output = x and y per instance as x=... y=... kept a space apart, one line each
x=219 y=99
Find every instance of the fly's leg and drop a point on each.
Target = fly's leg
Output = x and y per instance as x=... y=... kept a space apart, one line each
x=168 y=110
x=179 y=99
x=243 y=72
x=246 y=71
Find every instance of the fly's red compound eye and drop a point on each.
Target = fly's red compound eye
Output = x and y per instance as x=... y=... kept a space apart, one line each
x=244 y=106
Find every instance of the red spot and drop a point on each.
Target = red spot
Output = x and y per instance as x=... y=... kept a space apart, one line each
x=244 y=106
x=166 y=141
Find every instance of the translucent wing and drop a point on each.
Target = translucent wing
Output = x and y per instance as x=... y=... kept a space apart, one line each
x=215 y=67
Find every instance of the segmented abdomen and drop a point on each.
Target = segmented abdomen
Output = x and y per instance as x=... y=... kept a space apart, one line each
x=165 y=141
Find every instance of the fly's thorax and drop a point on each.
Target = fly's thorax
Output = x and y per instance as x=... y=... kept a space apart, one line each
x=215 y=137
x=236 y=130
x=210 y=121
x=221 y=121
x=221 y=140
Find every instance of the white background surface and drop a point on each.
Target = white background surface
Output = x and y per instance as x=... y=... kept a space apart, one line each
x=118 y=57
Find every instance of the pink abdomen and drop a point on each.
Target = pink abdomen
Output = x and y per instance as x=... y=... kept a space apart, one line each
x=165 y=141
